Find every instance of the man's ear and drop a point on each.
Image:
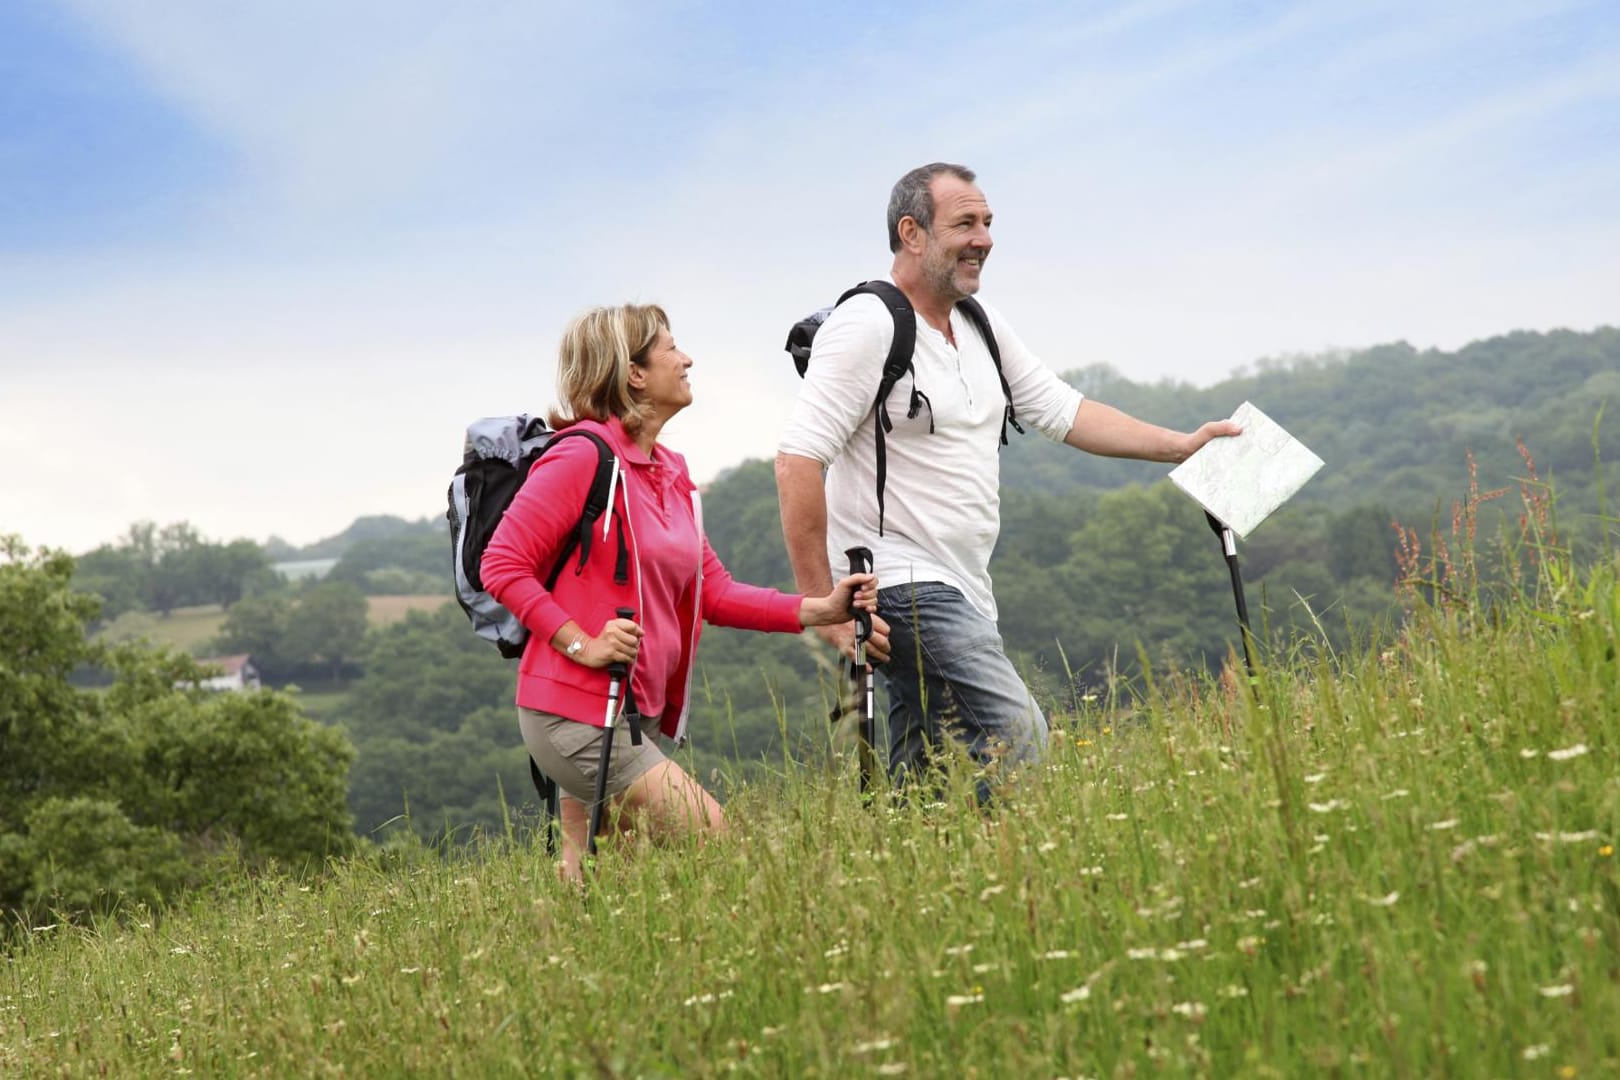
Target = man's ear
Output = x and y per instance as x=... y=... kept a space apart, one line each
x=912 y=237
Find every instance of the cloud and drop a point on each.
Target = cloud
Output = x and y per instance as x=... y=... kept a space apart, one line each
x=415 y=199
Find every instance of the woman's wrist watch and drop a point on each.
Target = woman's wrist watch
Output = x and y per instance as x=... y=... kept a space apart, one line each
x=574 y=647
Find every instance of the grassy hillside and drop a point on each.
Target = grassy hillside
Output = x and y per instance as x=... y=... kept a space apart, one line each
x=1392 y=863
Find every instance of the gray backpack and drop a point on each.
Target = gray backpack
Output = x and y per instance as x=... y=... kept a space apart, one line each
x=496 y=459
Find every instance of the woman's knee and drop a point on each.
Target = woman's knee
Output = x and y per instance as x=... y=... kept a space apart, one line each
x=675 y=801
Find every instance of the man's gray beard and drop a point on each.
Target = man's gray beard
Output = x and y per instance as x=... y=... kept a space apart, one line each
x=943 y=281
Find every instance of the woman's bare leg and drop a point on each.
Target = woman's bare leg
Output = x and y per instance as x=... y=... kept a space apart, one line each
x=575 y=824
x=671 y=803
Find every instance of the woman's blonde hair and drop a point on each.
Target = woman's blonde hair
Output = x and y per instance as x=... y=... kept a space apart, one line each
x=593 y=363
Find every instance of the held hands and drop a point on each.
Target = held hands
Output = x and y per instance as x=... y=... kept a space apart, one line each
x=830 y=615
x=855 y=591
x=842 y=638
x=619 y=641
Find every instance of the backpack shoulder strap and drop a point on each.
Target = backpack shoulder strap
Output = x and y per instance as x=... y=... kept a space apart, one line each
x=596 y=504
x=895 y=365
x=981 y=320
x=898 y=362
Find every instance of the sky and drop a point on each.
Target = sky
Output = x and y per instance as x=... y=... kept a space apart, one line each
x=261 y=263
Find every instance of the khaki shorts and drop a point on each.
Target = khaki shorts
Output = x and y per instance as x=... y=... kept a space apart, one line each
x=571 y=752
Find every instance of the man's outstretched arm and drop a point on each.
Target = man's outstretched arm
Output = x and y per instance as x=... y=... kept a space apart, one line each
x=1104 y=430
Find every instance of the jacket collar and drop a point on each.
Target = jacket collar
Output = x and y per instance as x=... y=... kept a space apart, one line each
x=623 y=444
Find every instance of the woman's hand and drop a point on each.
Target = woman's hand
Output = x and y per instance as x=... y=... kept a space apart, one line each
x=838 y=606
x=619 y=641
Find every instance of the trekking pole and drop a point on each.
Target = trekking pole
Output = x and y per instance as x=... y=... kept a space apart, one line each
x=1229 y=548
x=860 y=562
x=620 y=672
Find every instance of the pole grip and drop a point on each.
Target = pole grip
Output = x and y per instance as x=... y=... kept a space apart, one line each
x=860 y=562
x=619 y=668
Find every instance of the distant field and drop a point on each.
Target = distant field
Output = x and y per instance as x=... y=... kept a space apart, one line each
x=390 y=609
x=187 y=628
x=191 y=628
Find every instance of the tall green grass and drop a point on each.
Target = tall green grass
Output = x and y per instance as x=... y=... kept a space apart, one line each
x=1397 y=862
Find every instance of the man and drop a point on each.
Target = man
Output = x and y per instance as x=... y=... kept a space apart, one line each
x=947 y=671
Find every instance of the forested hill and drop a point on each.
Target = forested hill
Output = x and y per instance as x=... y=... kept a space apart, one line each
x=1392 y=424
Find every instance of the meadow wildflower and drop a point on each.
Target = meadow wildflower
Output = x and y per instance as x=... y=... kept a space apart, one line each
x=1557 y=990
x=881 y=1043
x=1078 y=994
x=1567 y=752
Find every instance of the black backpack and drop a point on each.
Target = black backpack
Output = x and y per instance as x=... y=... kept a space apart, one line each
x=496 y=459
x=898 y=363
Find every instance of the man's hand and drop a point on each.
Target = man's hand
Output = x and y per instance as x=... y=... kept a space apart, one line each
x=1214 y=429
x=842 y=638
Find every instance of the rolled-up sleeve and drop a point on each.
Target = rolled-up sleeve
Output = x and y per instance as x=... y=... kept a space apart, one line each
x=841 y=381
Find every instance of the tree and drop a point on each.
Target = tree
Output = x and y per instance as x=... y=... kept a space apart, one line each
x=132 y=793
x=426 y=673
x=328 y=627
x=258 y=625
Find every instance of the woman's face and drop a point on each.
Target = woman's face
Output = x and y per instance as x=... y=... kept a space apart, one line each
x=660 y=379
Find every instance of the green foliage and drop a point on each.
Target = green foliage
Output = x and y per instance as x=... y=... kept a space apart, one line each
x=162 y=569
x=742 y=519
x=434 y=726
x=258 y=625
x=85 y=855
x=124 y=796
x=408 y=562
x=320 y=631
x=328 y=626
x=426 y=673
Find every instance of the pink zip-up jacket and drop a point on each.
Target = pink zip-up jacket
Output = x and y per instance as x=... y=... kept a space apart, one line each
x=533 y=532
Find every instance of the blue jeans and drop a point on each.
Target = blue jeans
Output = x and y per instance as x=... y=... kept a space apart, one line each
x=948 y=676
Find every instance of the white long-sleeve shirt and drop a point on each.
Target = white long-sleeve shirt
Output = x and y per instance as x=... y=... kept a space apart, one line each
x=942 y=501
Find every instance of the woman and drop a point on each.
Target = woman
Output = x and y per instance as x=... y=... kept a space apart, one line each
x=621 y=377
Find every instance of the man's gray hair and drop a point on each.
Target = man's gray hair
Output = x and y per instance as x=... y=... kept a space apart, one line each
x=911 y=197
